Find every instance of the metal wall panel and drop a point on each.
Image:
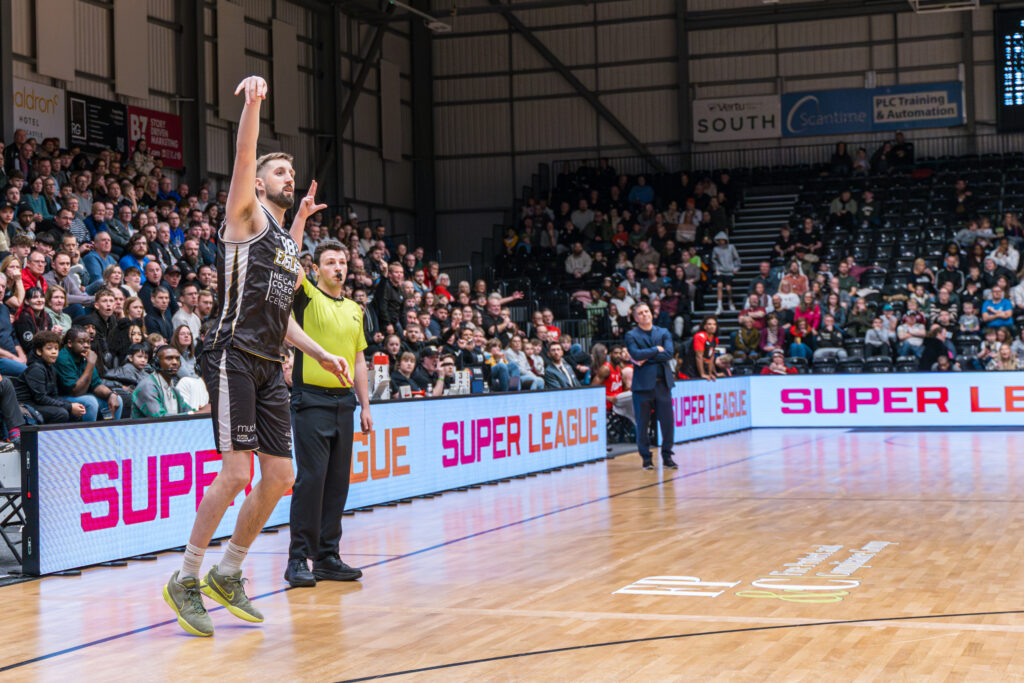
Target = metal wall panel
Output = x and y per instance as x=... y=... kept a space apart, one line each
x=550 y=83
x=710 y=90
x=260 y=10
x=367 y=124
x=703 y=5
x=163 y=71
x=458 y=236
x=930 y=52
x=472 y=129
x=287 y=105
x=407 y=134
x=132 y=49
x=663 y=74
x=297 y=16
x=930 y=24
x=726 y=40
x=390 y=112
x=58 y=61
x=638 y=40
x=647 y=114
x=823 y=83
x=721 y=69
x=257 y=39
x=161 y=9
x=823 y=32
x=469 y=55
x=557 y=16
x=463 y=89
x=399 y=183
x=634 y=8
x=551 y=124
x=813 y=62
x=231 y=61
x=395 y=49
x=984 y=94
x=93 y=39
x=571 y=46
x=21 y=20
x=369 y=180
x=475 y=182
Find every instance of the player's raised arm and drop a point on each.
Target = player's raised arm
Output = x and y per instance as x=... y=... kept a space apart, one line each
x=241 y=215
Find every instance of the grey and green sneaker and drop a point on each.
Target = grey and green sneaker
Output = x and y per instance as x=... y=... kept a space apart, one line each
x=187 y=603
x=229 y=591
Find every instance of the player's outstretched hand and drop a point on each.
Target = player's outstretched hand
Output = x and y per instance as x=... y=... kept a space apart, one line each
x=255 y=89
x=337 y=366
x=308 y=205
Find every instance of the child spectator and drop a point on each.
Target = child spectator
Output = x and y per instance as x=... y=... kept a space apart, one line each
x=37 y=388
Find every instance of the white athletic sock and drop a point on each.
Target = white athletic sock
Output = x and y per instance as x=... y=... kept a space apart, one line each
x=233 y=558
x=192 y=562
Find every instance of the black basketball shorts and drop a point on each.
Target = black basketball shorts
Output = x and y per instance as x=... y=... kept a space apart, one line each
x=249 y=402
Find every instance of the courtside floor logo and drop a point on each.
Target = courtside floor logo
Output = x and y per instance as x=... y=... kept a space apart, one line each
x=824 y=575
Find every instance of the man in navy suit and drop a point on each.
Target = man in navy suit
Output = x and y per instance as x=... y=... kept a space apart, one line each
x=650 y=348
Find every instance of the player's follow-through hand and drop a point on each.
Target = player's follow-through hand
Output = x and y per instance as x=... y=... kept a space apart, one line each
x=255 y=89
x=308 y=205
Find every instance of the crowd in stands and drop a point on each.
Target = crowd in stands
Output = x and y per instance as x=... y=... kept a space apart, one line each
x=107 y=271
x=888 y=263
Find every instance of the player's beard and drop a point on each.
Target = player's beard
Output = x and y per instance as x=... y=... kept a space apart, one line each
x=281 y=199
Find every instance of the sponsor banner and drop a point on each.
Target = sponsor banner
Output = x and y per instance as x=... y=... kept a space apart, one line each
x=968 y=399
x=161 y=131
x=703 y=408
x=900 y=107
x=120 y=490
x=95 y=124
x=39 y=110
x=737 y=118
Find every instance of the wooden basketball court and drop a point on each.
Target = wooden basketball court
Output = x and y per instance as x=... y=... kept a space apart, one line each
x=811 y=554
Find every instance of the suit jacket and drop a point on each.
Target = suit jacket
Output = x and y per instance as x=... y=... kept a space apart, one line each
x=643 y=346
x=556 y=379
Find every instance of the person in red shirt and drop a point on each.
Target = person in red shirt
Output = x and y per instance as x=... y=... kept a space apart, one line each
x=755 y=311
x=698 y=358
x=32 y=273
x=778 y=365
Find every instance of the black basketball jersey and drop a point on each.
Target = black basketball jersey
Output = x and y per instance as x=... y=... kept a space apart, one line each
x=255 y=283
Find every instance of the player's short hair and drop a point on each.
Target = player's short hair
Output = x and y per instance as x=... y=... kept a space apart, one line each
x=329 y=245
x=272 y=156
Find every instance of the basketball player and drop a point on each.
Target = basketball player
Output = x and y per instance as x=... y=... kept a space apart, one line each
x=257 y=274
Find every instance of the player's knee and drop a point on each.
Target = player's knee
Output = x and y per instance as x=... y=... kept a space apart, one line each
x=233 y=479
x=280 y=477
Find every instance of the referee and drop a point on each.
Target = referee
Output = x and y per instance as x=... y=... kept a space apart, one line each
x=322 y=410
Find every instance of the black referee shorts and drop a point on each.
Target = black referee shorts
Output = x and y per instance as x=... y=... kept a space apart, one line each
x=249 y=402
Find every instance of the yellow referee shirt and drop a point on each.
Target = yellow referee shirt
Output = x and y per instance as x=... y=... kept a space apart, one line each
x=334 y=324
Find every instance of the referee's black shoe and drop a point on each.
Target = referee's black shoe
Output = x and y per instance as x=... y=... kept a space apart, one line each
x=648 y=463
x=298 y=574
x=668 y=463
x=331 y=568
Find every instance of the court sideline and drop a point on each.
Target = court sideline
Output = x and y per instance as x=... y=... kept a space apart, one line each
x=519 y=580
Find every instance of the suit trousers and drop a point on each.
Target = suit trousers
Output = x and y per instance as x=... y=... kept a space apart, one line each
x=658 y=400
x=323 y=429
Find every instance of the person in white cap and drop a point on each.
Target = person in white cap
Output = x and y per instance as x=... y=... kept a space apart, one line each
x=725 y=261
